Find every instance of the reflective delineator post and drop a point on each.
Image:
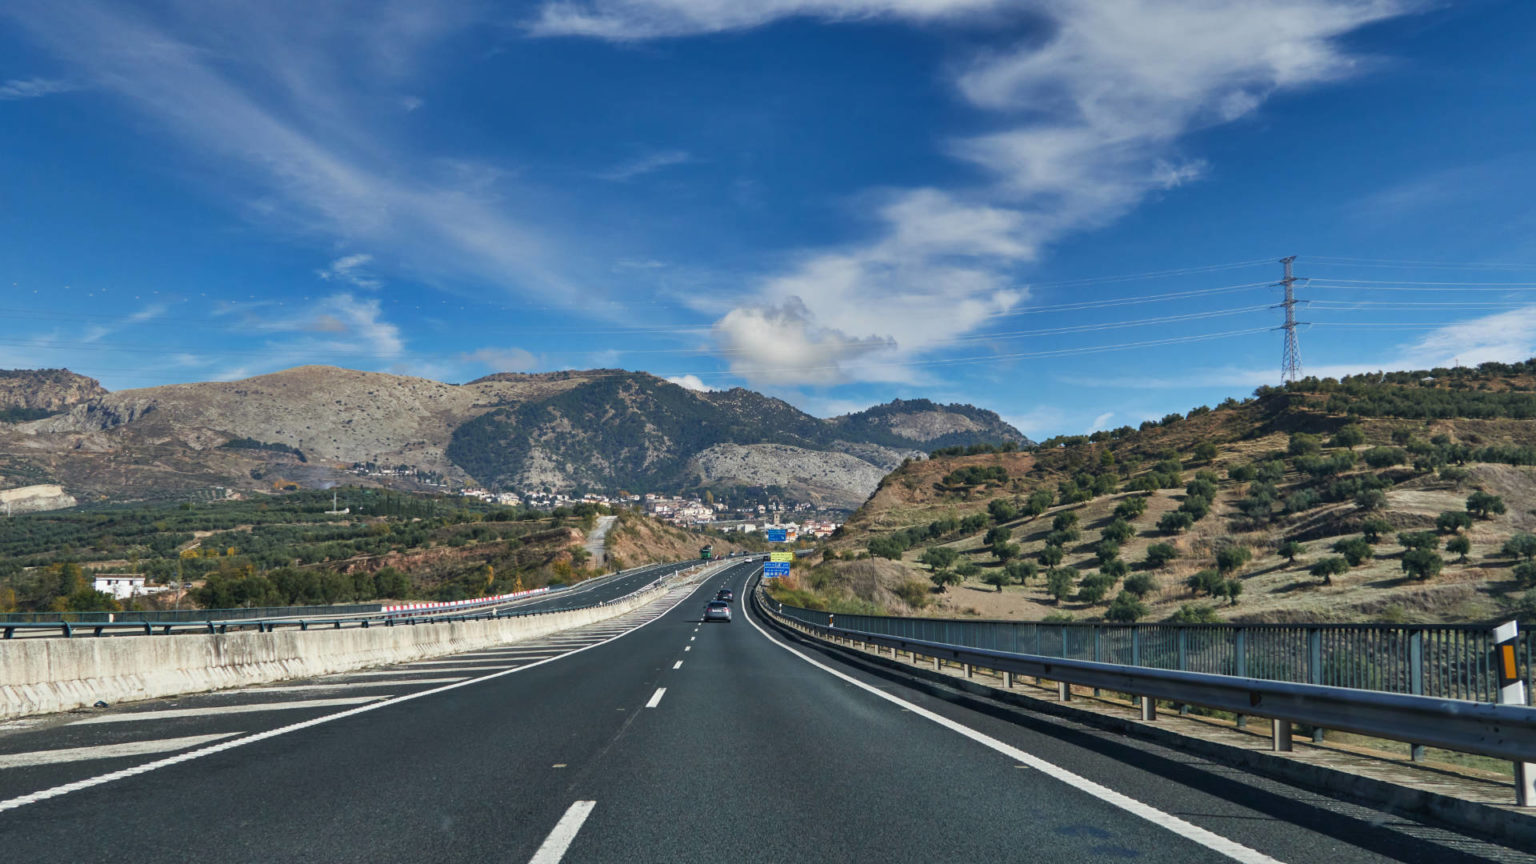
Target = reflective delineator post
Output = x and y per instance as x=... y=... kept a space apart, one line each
x=1512 y=692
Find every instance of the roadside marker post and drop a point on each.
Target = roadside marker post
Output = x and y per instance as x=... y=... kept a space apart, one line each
x=1512 y=692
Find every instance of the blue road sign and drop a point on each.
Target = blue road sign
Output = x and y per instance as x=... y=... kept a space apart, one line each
x=778 y=535
x=774 y=569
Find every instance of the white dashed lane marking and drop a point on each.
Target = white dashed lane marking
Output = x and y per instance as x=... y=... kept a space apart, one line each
x=656 y=697
x=559 y=840
x=677 y=665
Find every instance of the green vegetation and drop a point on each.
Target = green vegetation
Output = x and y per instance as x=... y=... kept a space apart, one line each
x=289 y=550
x=253 y=444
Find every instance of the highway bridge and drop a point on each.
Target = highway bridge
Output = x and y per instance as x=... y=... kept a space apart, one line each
x=651 y=737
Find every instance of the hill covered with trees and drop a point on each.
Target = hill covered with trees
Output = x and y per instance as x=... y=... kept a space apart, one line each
x=1400 y=496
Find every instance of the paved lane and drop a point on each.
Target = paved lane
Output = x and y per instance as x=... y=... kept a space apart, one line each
x=686 y=742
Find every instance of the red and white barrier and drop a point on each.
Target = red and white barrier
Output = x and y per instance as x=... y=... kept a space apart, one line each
x=464 y=604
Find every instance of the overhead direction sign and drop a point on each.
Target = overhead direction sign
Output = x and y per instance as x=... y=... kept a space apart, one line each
x=781 y=557
x=778 y=535
x=775 y=569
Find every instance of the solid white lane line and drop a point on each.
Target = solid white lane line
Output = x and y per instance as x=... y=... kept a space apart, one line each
x=656 y=697
x=107 y=751
x=560 y=839
x=341 y=685
x=177 y=759
x=172 y=713
x=677 y=665
x=1189 y=831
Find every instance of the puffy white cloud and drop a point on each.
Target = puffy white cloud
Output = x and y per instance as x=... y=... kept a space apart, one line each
x=783 y=345
x=690 y=382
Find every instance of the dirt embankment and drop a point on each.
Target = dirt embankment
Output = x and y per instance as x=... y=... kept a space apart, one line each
x=638 y=539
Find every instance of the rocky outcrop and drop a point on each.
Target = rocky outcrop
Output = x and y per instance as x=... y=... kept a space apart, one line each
x=34 y=499
x=833 y=479
x=46 y=390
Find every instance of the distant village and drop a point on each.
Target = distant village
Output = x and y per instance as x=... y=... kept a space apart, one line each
x=690 y=512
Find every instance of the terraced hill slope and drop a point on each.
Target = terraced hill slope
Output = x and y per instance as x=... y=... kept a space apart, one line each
x=1409 y=496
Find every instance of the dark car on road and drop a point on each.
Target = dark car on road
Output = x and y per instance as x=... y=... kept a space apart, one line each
x=726 y=595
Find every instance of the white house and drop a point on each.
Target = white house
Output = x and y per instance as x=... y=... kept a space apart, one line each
x=123 y=585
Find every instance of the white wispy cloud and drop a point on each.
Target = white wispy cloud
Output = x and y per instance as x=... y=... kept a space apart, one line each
x=646 y=164
x=1503 y=337
x=1100 y=422
x=97 y=332
x=282 y=112
x=350 y=269
x=338 y=325
x=1091 y=101
x=503 y=359
x=629 y=20
x=34 y=88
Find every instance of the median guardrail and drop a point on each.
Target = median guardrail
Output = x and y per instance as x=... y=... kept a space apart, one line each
x=1501 y=731
x=225 y=620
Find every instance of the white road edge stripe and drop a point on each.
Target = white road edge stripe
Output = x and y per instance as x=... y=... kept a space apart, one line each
x=89 y=782
x=656 y=697
x=1189 y=831
x=173 y=713
x=107 y=751
x=564 y=832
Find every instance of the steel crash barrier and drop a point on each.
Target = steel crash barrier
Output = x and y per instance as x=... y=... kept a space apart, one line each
x=1501 y=731
x=219 y=621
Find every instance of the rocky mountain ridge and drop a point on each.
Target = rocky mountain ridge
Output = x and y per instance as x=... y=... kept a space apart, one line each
x=601 y=429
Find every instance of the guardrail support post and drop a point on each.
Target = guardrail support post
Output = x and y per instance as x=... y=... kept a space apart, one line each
x=1240 y=655
x=1281 y=735
x=1506 y=638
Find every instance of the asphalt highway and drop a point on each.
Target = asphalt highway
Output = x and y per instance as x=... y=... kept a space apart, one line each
x=650 y=738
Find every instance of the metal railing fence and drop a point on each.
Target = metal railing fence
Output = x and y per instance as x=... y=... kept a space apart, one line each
x=1448 y=661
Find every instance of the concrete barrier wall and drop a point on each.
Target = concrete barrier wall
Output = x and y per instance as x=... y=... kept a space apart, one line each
x=39 y=676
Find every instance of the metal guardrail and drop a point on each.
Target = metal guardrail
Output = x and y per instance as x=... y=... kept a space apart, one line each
x=1499 y=731
x=215 y=621
x=1452 y=661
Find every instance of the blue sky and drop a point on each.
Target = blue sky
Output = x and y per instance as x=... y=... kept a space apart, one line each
x=1069 y=213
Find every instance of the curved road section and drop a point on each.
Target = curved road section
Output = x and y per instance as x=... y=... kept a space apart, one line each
x=653 y=737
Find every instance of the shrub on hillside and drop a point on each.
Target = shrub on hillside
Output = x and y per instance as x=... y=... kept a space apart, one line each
x=1175 y=522
x=1195 y=613
x=1159 y=554
x=1422 y=563
x=1126 y=608
x=1328 y=568
x=1141 y=584
x=1118 y=531
x=1355 y=550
